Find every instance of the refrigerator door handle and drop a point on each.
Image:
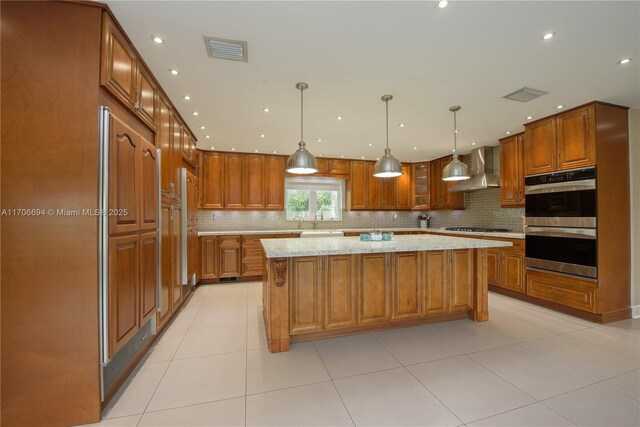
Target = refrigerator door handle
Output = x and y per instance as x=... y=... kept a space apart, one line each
x=103 y=232
x=159 y=284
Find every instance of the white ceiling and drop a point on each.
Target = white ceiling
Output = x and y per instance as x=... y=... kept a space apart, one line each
x=471 y=54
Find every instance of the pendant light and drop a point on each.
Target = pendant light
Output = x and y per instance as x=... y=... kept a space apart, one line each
x=302 y=161
x=456 y=170
x=388 y=166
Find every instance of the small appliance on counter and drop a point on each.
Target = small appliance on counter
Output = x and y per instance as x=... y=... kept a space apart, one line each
x=424 y=220
x=376 y=236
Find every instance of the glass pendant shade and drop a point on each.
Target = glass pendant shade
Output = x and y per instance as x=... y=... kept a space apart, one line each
x=302 y=161
x=387 y=166
x=455 y=171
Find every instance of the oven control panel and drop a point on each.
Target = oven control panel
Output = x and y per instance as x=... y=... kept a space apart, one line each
x=573 y=175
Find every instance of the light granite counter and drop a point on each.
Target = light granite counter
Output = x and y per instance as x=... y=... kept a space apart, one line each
x=503 y=235
x=289 y=248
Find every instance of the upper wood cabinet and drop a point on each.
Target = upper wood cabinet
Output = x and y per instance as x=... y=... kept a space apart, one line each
x=187 y=147
x=420 y=187
x=358 y=184
x=164 y=140
x=125 y=76
x=512 y=171
x=339 y=168
x=564 y=141
x=254 y=185
x=124 y=178
x=274 y=182
x=404 y=195
x=234 y=188
x=373 y=189
x=366 y=192
x=212 y=182
x=148 y=206
x=441 y=197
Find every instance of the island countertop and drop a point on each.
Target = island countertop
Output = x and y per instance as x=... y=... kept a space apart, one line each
x=288 y=248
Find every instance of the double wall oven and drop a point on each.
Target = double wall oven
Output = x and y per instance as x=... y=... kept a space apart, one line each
x=560 y=222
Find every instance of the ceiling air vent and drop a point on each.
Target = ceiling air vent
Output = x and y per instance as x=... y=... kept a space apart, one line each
x=235 y=50
x=525 y=94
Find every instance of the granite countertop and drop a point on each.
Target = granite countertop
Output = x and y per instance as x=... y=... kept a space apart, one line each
x=508 y=235
x=284 y=248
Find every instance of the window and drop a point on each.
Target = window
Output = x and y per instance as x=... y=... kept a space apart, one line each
x=314 y=199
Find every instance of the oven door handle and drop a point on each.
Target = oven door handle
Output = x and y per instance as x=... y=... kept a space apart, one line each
x=576 y=233
x=560 y=187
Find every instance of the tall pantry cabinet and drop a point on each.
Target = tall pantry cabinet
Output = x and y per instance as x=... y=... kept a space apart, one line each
x=50 y=163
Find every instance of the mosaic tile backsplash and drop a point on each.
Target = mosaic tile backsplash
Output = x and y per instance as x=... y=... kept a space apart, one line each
x=482 y=209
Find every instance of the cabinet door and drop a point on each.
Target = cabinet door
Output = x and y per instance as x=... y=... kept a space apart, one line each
x=437 y=201
x=403 y=188
x=229 y=256
x=513 y=272
x=305 y=295
x=118 y=68
x=274 y=182
x=389 y=192
x=494 y=264
x=540 y=147
x=164 y=138
x=166 y=279
x=340 y=289
x=192 y=199
x=461 y=279
x=185 y=145
x=176 y=244
x=357 y=184
x=576 y=138
x=209 y=257
x=407 y=285
x=373 y=295
x=322 y=165
x=176 y=158
x=420 y=185
x=148 y=275
x=124 y=277
x=148 y=185
x=234 y=177
x=124 y=184
x=146 y=97
x=511 y=172
x=339 y=166
x=373 y=188
x=192 y=251
x=254 y=183
x=436 y=277
x=252 y=255
x=212 y=183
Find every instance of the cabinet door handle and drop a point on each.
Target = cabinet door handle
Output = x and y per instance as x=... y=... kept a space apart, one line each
x=138 y=104
x=171 y=213
x=172 y=186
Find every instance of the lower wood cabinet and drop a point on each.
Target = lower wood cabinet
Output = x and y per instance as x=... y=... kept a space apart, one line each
x=407 y=284
x=252 y=254
x=461 y=279
x=305 y=295
x=373 y=296
x=171 y=255
x=230 y=253
x=505 y=266
x=569 y=291
x=340 y=290
x=437 y=271
x=209 y=257
x=176 y=251
x=148 y=275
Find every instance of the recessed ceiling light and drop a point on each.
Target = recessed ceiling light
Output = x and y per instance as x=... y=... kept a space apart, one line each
x=201 y=127
x=415 y=148
x=157 y=39
x=342 y=157
x=213 y=148
x=319 y=139
x=262 y=135
x=442 y=4
x=208 y=136
x=370 y=144
x=362 y=157
x=559 y=106
x=473 y=143
x=266 y=110
x=548 y=36
x=319 y=155
x=274 y=151
x=187 y=97
x=377 y=158
x=508 y=133
x=174 y=72
x=195 y=113
x=255 y=151
x=401 y=125
x=529 y=117
x=233 y=149
x=624 y=61
x=339 y=117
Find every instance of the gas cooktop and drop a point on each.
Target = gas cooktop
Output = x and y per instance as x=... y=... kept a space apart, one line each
x=478 y=229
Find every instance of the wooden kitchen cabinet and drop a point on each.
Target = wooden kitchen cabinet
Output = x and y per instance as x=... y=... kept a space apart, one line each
x=230 y=253
x=253 y=254
x=441 y=197
x=176 y=252
x=147 y=95
x=505 y=266
x=274 y=182
x=338 y=167
x=373 y=194
x=212 y=183
x=420 y=183
x=306 y=295
x=192 y=199
x=576 y=138
x=357 y=187
x=254 y=181
x=124 y=284
x=234 y=181
x=568 y=291
x=148 y=276
x=124 y=178
x=461 y=286
x=404 y=195
x=373 y=295
x=406 y=285
x=164 y=141
x=166 y=265
x=209 y=257
x=540 y=146
x=148 y=167
x=436 y=278
x=512 y=171
x=340 y=292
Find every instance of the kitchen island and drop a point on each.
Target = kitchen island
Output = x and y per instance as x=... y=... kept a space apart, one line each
x=326 y=287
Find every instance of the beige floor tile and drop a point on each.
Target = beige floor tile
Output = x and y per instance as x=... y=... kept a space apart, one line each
x=631 y=326
x=415 y=345
x=255 y=313
x=501 y=305
x=130 y=421
x=597 y=406
x=134 y=396
x=220 y=315
x=204 y=342
x=530 y=372
x=536 y=415
x=273 y=371
x=468 y=389
x=182 y=321
x=517 y=330
x=222 y=413
x=468 y=336
x=619 y=344
x=201 y=380
x=553 y=322
x=311 y=405
x=392 y=398
x=256 y=336
x=627 y=384
x=165 y=348
x=584 y=359
x=354 y=355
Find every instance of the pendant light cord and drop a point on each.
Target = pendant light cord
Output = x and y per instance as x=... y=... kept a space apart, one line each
x=455 y=133
x=301 y=114
x=387 y=110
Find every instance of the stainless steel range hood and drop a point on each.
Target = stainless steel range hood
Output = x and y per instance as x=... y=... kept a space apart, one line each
x=481 y=171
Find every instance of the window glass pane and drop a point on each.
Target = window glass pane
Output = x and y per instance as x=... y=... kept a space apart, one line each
x=298 y=204
x=314 y=198
x=327 y=205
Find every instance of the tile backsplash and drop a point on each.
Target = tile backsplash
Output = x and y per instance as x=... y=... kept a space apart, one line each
x=482 y=209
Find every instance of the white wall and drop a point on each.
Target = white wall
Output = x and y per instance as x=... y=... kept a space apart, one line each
x=634 y=164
